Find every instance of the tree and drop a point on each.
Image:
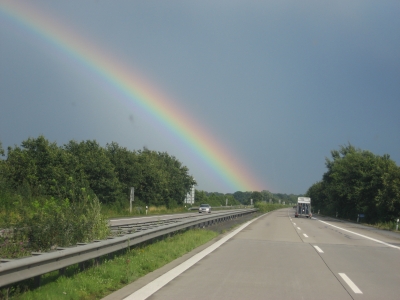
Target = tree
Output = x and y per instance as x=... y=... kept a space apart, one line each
x=256 y=196
x=98 y=169
x=2 y=152
x=357 y=181
x=318 y=198
x=43 y=168
x=242 y=197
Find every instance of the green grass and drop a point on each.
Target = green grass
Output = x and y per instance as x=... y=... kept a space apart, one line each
x=112 y=274
x=384 y=225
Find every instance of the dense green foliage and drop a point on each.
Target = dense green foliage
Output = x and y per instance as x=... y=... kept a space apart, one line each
x=264 y=196
x=242 y=198
x=51 y=195
x=44 y=223
x=358 y=182
x=62 y=171
x=214 y=199
x=266 y=207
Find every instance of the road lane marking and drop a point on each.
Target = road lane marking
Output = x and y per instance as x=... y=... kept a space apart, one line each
x=155 y=285
x=294 y=223
x=350 y=283
x=305 y=235
x=364 y=236
x=318 y=249
x=298 y=228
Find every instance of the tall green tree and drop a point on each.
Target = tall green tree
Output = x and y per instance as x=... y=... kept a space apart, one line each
x=98 y=169
x=357 y=181
x=2 y=152
x=256 y=196
x=43 y=167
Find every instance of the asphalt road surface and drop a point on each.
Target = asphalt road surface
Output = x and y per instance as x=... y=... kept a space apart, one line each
x=278 y=256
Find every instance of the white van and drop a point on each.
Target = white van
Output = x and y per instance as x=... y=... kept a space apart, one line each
x=303 y=207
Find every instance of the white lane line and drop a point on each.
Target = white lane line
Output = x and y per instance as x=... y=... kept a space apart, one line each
x=294 y=223
x=158 y=283
x=298 y=228
x=364 y=236
x=350 y=283
x=305 y=235
x=318 y=249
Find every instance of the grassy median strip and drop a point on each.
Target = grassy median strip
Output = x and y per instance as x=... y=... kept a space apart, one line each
x=112 y=274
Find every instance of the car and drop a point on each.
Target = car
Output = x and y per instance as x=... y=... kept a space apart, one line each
x=204 y=208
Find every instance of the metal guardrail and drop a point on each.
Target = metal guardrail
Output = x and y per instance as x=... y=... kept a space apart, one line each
x=218 y=208
x=12 y=271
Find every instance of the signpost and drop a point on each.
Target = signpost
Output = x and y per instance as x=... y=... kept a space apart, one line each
x=132 y=198
x=360 y=216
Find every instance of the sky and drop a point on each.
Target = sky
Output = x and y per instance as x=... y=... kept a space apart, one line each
x=249 y=95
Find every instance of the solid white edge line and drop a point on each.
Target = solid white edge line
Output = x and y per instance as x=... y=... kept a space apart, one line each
x=318 y=249
x=305 y=235
x=364 y=236
x=158 y=283
x=350 y=283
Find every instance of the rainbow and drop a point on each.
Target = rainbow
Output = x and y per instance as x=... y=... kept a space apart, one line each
x=135 y=89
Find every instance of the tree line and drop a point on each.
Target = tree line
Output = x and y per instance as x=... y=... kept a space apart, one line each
x=358 y=182
x=242 y=198
x=264 y=196
x=51 y=195
x=44 y=168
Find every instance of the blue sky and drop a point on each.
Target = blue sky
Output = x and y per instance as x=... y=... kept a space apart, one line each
x=280 y=83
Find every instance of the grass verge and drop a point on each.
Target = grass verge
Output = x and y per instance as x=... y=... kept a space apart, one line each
x=112 y=274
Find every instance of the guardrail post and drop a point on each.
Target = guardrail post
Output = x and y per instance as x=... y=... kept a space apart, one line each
x=37 y=280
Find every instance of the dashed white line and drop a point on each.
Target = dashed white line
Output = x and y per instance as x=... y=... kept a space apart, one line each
x=298 y=228
x=294 y=223
x=350 y=283
x=305 y=235
x=318 y=249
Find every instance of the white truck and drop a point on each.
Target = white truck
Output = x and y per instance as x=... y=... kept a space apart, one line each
x=303 y=207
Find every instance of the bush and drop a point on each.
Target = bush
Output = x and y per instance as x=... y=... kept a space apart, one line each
x=47 y=223
x=266 y=207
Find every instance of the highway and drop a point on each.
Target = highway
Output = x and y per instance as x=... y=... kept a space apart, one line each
x=278 y=256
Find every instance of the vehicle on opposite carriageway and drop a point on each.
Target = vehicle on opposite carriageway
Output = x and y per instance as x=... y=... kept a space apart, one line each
x=204 y=208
